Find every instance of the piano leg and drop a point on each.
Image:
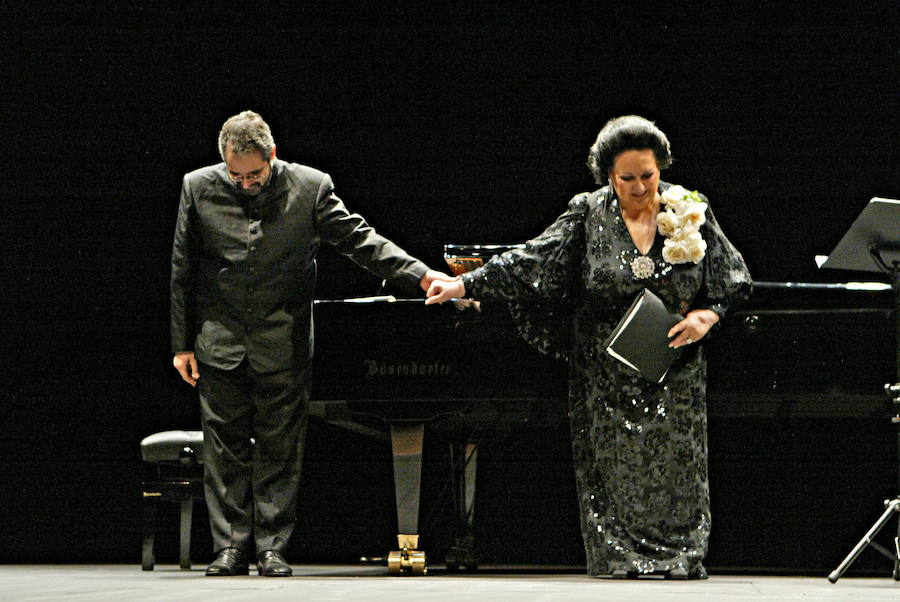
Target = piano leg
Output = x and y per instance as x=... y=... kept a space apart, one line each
x=464 y=460
x=406 y=444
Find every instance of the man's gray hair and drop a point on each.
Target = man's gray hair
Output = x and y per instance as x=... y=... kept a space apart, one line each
x=245 y=133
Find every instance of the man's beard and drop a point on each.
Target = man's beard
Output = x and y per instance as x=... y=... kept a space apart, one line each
x=255 y=188
x=252 y=190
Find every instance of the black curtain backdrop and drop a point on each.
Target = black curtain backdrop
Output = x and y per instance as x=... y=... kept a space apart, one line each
x=459 y=124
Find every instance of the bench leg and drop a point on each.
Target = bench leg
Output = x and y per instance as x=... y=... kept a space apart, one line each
x=187 y=512
x=148 y=558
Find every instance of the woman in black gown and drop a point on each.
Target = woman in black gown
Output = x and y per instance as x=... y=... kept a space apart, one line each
x=640 y=447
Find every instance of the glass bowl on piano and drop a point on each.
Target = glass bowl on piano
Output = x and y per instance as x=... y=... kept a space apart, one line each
x=465 y=258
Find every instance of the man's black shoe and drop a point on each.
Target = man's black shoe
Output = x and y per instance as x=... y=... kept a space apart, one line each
x=271 y=563
x=228 y=562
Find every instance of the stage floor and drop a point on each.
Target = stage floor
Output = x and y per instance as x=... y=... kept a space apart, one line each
x=128 y=583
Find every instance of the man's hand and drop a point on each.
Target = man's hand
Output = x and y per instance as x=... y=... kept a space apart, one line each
x=432 y=275
x=186 y=364
x=444 y=290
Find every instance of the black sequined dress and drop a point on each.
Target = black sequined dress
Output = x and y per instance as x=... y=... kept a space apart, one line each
x=640 y=448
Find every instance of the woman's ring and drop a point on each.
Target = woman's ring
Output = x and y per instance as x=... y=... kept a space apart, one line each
x=688 y=341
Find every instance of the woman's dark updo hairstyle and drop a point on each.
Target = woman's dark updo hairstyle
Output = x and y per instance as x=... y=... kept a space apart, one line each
x=629 y=132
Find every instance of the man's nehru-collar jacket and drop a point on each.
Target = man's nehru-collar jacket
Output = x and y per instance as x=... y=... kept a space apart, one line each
x=244 y=268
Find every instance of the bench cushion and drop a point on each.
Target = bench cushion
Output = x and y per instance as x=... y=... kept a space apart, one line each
x=173 y=446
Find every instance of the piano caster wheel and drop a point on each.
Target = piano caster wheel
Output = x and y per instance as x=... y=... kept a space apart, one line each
x=395 y=563
x=407 y=562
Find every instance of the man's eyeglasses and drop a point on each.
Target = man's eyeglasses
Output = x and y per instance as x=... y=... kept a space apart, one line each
x=251 y=177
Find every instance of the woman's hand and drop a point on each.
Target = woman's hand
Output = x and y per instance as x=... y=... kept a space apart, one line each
x=445 y=290
x=693 y=328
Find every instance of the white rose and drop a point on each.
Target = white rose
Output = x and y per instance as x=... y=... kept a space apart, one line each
x=667 y=223
x=695 y=213
x=674 y=193
x=675 y=251
x=681 y=207
x=686 y=230
x=696 y=249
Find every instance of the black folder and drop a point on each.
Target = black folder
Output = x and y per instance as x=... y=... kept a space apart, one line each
x=641 y=340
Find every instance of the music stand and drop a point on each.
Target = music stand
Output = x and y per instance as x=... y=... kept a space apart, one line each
x=872 y=244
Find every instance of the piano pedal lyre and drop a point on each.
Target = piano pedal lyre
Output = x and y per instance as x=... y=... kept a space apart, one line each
x=407 y=560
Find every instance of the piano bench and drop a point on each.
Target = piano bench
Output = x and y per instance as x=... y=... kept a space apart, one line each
x=177 y=456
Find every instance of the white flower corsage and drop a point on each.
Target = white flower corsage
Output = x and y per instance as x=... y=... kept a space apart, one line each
x=680 y=224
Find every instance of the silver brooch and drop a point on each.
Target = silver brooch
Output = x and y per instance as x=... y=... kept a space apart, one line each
x=642 y=267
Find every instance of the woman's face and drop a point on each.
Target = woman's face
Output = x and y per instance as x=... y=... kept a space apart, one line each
x=635 y=177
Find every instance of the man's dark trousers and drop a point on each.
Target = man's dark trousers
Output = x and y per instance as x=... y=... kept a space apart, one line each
x=251 y=489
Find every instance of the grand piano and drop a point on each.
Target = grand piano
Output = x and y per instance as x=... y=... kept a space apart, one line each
x=805 y=355
x=398 y=369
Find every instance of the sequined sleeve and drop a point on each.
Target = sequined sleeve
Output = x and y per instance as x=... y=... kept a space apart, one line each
x=726 y=279
x=539 y=282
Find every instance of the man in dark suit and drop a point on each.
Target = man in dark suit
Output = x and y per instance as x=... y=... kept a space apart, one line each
x=243 y=276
